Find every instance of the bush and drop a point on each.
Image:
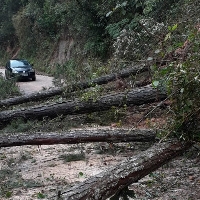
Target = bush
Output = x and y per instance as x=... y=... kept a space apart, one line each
x=8 y=88
x=180 y=76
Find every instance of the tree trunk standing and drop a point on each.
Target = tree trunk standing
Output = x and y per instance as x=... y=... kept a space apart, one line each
x=78 y=86
x=79 y=136
x=108 y=183
x=133 y=97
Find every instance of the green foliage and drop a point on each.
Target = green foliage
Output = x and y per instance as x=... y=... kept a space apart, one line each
x=106 y=118
x=40 y=195
x=8 y=88
x=11 y=180
x=136 y=44
x=96 y=47
x=159 y=9
x=80 y=174
x=43 y=22
x=26 y=37
x=72 y=157
x=7 y=9
x=52 y=19
x=92 y=94
x=115 y=29
x=18 y=125
x=74 y=70
x=87 y=22
x=181 y=78
x=37 y=26
x=68 y=71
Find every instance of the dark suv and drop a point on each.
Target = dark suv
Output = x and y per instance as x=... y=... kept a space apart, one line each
x=21 y=69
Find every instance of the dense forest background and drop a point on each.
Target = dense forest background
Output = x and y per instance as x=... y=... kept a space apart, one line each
x=52 y=32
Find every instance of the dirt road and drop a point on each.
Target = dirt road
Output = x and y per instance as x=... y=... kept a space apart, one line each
x=28 y=87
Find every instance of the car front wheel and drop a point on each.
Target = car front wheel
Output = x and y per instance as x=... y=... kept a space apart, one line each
x=6 y=75
x=34 y=78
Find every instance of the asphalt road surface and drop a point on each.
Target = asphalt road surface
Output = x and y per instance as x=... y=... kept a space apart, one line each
x=28 y=87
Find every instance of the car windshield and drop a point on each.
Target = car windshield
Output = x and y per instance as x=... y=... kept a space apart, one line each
x=18 y=63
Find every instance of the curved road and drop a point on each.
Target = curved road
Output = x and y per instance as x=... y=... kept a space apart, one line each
x=28 y=87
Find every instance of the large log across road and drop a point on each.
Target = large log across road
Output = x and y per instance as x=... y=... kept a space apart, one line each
x=133 y=97
x=31 y=97
x=106 y=184
x=137 y=69
x=78 y=136
x=71 y=88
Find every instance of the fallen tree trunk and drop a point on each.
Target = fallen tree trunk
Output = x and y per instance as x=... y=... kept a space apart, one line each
x=134 y=97
x=71 y=88
x=79 y=136
x=110 y=77
x=31 y=97
x=116 y=178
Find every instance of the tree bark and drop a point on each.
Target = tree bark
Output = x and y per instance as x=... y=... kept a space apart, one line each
x=117 y=178
x=79 y=136
x=31 y=97
x=134 y=97
x=111 y=77
x=71 y=88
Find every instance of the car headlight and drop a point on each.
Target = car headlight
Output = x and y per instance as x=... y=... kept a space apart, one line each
x=15 y=71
